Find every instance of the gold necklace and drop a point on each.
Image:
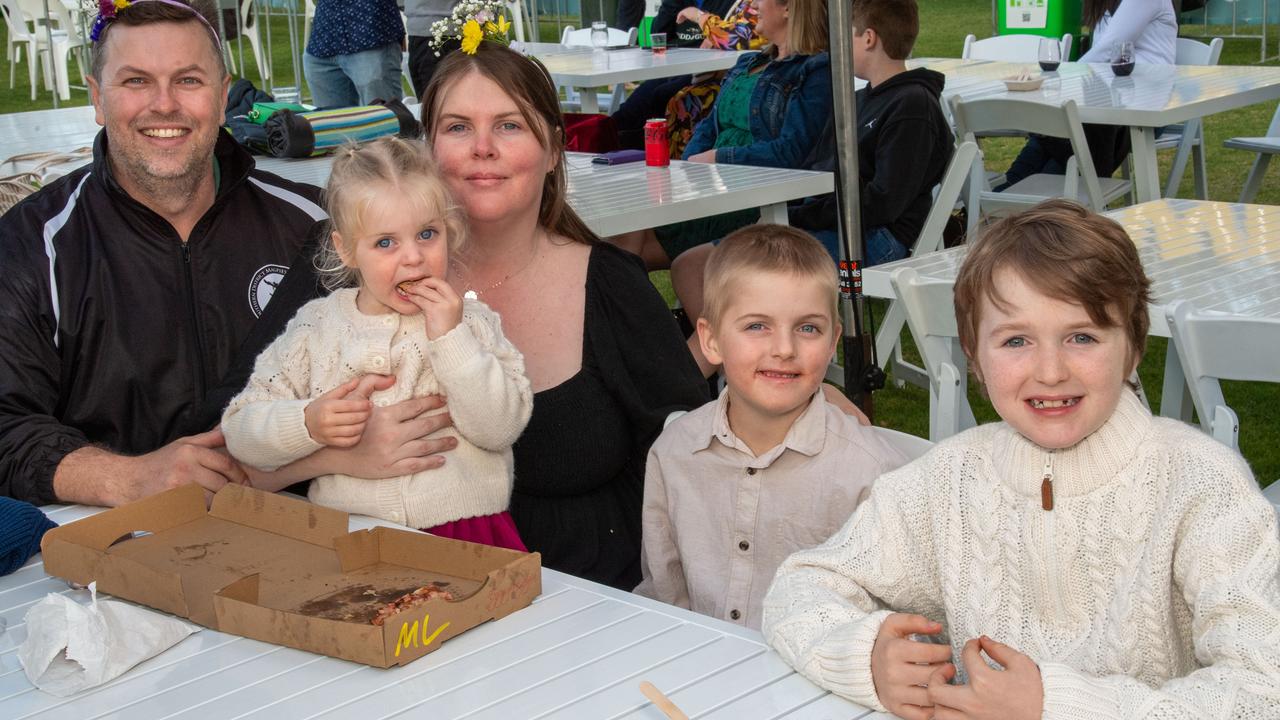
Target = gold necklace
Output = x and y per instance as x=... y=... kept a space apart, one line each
x=475 y=292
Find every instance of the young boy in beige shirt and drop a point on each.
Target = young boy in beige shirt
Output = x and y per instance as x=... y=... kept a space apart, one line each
x=734 y=487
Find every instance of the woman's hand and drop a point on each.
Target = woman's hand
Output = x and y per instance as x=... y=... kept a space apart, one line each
x=1012 y=693
x=706 y=156
x=900 y=667
x=689 y=14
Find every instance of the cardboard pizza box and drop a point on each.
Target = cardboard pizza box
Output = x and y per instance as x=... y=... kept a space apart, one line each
x=285 y=571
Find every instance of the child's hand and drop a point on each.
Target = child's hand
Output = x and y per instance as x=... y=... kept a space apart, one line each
x=337 y=418
x=1013 y=693
x=441 y=306
x=900 y=667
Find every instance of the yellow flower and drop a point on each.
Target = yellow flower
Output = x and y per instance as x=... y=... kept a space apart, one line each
x=122 y=4
x=471 y=37
x=503 y=26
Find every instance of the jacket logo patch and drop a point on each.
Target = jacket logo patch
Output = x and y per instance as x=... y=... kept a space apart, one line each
x=263 y=286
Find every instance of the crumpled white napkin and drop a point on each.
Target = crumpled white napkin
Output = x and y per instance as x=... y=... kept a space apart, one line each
x=71 y=647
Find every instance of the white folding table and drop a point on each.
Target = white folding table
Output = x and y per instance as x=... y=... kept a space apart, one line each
x=1221 y=256
x=58 y=130
x=578 y=652
x=588 y=68
x=1152 y=97
x=613 y=199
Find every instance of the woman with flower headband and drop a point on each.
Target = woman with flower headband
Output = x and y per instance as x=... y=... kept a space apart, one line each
x=605 y=358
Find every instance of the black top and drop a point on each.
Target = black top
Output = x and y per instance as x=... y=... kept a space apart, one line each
x=113 y=331
x=580 y=463
x=904 y=145
x=685 y=34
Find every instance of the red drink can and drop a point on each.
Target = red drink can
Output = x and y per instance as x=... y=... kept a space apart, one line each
x=657 y=151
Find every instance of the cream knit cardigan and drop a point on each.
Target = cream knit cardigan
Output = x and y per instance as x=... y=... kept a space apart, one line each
x=329 y=341
x=1151 y=590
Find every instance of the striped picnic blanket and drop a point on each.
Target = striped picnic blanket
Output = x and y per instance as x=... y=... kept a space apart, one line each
x=306 y=134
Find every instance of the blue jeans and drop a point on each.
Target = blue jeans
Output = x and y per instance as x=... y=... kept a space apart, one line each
x=355 y=79
x=881 y=245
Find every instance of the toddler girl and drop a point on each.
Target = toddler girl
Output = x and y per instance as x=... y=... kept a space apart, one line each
x=393 y=229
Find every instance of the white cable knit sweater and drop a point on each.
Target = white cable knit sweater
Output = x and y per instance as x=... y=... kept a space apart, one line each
x=329 y=341
x=1151 y=590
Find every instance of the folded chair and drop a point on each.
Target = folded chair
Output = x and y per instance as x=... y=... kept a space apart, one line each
x=931 y=315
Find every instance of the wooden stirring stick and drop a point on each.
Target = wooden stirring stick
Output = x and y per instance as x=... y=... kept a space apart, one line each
x=662 y=702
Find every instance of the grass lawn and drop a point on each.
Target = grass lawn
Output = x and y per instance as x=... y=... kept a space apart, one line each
x=943 y=27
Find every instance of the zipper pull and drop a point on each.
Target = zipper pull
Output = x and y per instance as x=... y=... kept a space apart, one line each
x=1046 y=485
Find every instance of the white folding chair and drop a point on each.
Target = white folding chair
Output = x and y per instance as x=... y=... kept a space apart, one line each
x=1080 y=183
x=909 y=445
x=518 y=20
x=1188 y=137
x=1265 y=147
x=571 y=37
x=249 y=30
x=26 y=32
x=1010 y=48
x=931 y=315
x=888 y=347
x=1217 y=346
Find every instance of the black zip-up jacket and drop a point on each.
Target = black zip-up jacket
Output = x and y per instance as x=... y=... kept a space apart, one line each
x=115 y=333
x=904 y=145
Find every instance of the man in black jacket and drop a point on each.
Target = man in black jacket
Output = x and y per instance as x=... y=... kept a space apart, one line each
x=134 y=293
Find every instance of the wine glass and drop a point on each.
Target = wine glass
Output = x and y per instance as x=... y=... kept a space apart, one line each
x=1050 y=54
x=1122 y=58
x=599 y=34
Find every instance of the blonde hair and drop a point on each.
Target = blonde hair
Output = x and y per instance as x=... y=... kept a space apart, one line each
x=807 y=32
x=1068 y=253
x=362 y=173
x=765 y=248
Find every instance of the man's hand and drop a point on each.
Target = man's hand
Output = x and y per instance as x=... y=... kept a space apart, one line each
x=1013 y=693
x=337 y=418
x=706 y=156
x=95 y=476
x=900 y=667
x=689 y=14
x=440 y=304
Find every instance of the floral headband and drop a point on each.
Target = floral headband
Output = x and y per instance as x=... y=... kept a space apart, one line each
x=107 y=10
x=471 y=22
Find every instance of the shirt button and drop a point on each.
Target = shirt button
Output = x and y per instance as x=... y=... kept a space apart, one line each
x=751 y=471
x=379 y=361
x=734 y=615
x=388 y=321
x=744 y=545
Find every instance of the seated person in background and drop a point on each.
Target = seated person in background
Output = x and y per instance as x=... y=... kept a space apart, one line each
x=736 y=30
x=392 y=310
x=735 y=486
x=774 y=111
x=904 y=145
x=1113 y=564
x=1152 y=27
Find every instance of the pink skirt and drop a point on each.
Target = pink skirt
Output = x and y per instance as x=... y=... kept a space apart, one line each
x=497 y=530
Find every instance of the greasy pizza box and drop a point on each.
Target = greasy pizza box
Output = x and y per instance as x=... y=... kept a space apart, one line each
x=286 y=571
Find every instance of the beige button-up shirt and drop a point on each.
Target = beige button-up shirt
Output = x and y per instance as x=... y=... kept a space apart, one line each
x=718 y=520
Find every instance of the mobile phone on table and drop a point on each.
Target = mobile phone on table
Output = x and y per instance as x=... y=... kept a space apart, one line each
x=618 y=157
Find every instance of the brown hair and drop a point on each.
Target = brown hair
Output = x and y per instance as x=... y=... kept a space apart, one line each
x=765 y=248
x=364 y=172
x=527 y=82
x=148 y=13
x=1070 y=254
x=807 y=26
x=1093 y=10
x=896 y=22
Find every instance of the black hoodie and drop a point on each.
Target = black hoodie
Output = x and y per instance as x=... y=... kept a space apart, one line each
x=904 y=145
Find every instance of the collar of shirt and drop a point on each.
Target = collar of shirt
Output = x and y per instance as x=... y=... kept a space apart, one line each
x=806 y=436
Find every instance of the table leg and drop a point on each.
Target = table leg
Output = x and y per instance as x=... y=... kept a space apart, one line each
x=590 y=103
x=775 y=213
x=1146 y=173
x=1175 y=398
